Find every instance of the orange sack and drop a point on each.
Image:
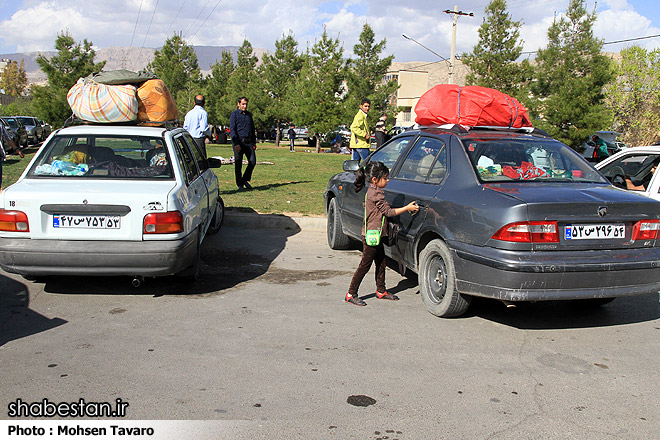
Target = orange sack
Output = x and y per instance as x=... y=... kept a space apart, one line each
x=155 y=103
x=470 y=106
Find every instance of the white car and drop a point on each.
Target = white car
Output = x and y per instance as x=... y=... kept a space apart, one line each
x=633 y=169
x=111 y=200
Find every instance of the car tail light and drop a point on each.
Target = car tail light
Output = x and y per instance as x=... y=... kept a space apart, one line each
x=529 y=232
x=163 y=222
x=14 y=221
x=646 y=230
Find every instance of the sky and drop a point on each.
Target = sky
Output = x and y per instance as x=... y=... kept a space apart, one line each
x=33 y=25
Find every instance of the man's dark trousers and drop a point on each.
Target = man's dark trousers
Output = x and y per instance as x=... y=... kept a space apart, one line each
x=249 y=151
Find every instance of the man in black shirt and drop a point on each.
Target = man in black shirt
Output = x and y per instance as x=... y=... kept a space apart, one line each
x=244 y=140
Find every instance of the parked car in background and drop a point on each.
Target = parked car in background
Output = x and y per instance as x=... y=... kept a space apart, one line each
x=17 y=129
x=34 y=130
x=111 y=200
x=610 y=139
x=45 y=129
x=509 y=214
x=634 y=169
x=301 y=133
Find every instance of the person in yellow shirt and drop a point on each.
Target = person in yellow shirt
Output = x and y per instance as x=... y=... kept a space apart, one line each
x=360 y=134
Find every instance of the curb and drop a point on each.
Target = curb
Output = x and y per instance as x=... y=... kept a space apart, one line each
x=273 y=221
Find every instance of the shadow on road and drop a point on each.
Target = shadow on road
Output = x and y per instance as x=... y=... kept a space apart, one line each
x=548 y=315
x=229 y=258
x=16 y=318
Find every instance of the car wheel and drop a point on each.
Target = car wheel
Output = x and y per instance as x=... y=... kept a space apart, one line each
x=336 y=237
x=218 y=217
x=437 y=281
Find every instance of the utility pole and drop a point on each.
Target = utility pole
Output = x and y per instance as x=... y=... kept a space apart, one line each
x=452 y=58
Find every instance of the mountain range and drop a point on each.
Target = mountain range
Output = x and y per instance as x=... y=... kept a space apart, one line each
x=130 y=58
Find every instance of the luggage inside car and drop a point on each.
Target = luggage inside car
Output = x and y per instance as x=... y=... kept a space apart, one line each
x=470 y=106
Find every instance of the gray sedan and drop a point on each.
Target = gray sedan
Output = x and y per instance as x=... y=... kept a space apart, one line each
x=508 y=214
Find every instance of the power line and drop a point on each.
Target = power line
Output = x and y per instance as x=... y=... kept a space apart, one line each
x=150 y=21
x=204 y=22
x=177 y=16
x=609 y=42
x=197 y=18
x=136 y=23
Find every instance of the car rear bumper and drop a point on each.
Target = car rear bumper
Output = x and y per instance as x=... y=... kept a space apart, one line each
x=543 y=276
x=71 y=257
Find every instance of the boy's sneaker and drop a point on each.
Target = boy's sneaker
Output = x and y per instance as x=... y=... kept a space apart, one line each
x=354 y=300
x=386 y=295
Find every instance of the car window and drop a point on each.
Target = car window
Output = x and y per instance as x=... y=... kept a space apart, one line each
x=502 y=160
x=422 y=159
x=120 y=157
x=189 y=161
x=199 y=156
x=390 y=152
x=633 y=165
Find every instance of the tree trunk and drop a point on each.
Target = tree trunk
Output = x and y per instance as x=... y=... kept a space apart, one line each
x=277 y=133
x=317 y=140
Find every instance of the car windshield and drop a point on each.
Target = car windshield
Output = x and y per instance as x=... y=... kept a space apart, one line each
x=27 y=121
x=504 y=160
x=11 y=122
x=117 y=157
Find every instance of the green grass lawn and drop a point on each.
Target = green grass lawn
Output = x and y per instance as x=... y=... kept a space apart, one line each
x=289 y=183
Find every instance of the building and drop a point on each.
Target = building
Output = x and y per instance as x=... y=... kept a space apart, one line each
x=415 y=78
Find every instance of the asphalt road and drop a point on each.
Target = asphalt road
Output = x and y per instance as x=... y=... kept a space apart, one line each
x=264 y=345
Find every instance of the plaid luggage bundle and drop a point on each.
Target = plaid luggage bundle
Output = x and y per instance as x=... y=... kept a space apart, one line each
x=95 y=102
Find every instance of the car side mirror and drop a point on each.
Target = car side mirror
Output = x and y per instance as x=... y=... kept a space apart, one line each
x=214 y=162
x=351 y=165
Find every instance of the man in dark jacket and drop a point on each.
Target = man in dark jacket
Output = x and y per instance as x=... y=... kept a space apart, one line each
x=292 y=137
x=244 y=140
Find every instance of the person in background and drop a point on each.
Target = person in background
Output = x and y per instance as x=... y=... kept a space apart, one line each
x=197 y=123
x=6 y=142
x=244 y=140
x=360 y=134
x=292 y=137
x=381 y=131
x=600 y=148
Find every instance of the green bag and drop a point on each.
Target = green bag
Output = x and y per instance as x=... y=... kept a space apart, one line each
x=372 y=236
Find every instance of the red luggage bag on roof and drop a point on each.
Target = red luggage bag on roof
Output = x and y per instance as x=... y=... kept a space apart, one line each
x=470 y=106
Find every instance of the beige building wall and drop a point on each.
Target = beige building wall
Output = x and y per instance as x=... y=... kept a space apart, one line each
x=417 y=77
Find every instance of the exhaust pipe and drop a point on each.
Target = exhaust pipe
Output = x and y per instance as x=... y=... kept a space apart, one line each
x=509 y=304
x=137 y=281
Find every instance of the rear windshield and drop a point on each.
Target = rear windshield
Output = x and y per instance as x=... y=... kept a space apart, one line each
x=504 y=160
x=117 y=157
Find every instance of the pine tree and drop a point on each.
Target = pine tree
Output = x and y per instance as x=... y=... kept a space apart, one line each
x=280 y=71
x=570 y=77
x=176 y=64
x=492 y=62
x=246 y=81
x=72 y=61
x=634 y=97
x=364 y=78
x=318 y=91
x=216 y=89
x=14 y=79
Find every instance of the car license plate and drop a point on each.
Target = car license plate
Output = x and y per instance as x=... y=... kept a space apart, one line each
x=593 y=232
x=87 y=221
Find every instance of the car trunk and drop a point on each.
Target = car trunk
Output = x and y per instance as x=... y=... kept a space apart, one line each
x=87 y=209
x=588 y=216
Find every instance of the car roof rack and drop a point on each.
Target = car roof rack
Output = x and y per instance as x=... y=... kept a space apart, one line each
x=528 y=130
x=168 y=125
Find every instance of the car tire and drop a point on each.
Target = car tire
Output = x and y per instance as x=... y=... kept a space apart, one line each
x=437 y=281
x=336 y=237
x=218 y=217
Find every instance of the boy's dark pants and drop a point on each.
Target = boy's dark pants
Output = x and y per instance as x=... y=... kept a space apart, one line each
x=369 y=255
